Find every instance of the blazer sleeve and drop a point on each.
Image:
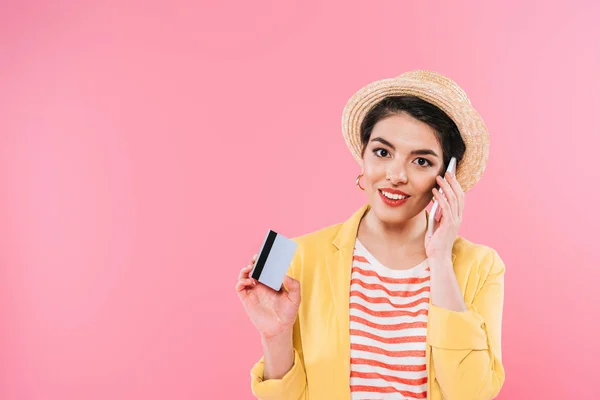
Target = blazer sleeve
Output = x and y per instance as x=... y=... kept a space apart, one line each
x=292 y=386
x=466 y=346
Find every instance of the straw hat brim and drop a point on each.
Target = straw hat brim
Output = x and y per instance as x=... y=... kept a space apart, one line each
x=438 y=90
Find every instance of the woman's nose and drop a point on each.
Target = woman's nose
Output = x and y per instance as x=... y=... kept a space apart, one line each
x=396 y=176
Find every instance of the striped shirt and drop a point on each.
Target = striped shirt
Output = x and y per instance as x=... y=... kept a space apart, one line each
x=388 y=329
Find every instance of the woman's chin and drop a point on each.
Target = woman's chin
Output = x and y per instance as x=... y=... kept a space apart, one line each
x=389 y=215
x=395 y=215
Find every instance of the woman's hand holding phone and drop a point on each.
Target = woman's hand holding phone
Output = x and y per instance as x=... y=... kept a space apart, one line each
x=446 y=215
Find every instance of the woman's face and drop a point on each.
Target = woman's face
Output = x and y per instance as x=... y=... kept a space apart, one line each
x=403 y=154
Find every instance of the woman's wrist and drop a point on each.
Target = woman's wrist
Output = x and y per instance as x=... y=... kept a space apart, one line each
x=278 y=353
x=445 y=292
x=281 y=338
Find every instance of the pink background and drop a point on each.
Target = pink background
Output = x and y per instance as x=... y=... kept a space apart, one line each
x=146 y=147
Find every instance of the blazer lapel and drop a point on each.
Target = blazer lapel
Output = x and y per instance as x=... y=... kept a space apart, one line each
x=339 y=263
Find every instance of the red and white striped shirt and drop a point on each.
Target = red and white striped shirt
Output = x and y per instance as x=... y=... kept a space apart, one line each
x=388 y=329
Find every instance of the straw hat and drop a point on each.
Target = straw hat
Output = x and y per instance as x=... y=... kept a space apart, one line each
x=438 y=90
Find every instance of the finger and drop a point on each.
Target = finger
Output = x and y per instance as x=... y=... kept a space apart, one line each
x=446 y=211
x=245 y=272
x=460 y=194
x=293 y=289
x=254 y=258
x=244 y=284
x=449 y=194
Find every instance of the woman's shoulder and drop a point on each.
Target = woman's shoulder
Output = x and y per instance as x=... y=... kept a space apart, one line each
x=320 y=239
x=312 y=246
x=485 y=258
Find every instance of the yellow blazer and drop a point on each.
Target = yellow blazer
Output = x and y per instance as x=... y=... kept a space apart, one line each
x=463 y=348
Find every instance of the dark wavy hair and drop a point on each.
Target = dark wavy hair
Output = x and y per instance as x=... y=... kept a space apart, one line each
x=446 y=131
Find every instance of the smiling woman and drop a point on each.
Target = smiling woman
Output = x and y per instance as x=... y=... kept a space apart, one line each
x=402 y=136
x=373 y=307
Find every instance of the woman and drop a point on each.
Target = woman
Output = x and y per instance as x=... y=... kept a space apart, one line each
x=375 y=308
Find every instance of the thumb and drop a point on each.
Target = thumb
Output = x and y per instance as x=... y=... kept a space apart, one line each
x=293 y=288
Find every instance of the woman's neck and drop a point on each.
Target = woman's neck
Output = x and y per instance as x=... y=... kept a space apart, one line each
x=395 y=235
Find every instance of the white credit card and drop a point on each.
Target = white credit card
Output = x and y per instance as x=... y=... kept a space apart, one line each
x=273 y=260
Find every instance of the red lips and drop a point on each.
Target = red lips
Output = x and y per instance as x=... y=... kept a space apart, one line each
x=392 y=202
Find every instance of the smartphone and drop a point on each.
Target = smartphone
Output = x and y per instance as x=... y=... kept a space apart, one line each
x=452 y=169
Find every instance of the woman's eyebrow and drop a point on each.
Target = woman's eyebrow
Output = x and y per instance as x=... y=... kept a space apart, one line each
x=420 y=152
x=424 y=152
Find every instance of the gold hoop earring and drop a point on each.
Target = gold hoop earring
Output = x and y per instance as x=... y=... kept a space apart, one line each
x=358 y=182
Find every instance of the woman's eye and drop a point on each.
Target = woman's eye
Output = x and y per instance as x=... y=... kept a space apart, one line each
x=426 y=164
x=381 y=152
